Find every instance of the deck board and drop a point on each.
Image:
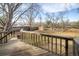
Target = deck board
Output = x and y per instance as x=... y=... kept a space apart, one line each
x=15 y=47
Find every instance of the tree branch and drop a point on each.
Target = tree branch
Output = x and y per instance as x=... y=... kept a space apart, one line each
x=19 y=17
x=16 y=6
x=2 y=23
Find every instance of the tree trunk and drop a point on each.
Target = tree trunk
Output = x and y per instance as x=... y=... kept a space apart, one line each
x=8 y=22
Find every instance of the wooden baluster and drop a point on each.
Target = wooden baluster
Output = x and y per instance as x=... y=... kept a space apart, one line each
x=31 y=39
x=10 y=35
x=6 y=38
x=48 y=44
x=66 y=47
x=41 y=40
x=25 y=34
x=60 y=46
x=56 y=45
x=36 y=40
x=22 y=37
x=13 y=33
x=1 y=39
x=45 y=39
x=26 y=39
x=73 y=48
x=52 y=44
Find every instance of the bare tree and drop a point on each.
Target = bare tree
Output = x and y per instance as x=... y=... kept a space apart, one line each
x=8 y=12
x=48 y=19
x=40 y=18
x=48 y=23
x=64 y=22
x=52 y=19
x=32 y=13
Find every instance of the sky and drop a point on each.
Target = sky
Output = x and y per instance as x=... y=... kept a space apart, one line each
x=56 y=7
x=72 y=13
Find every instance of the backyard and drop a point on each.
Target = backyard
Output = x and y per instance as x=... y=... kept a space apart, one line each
x=34 y=29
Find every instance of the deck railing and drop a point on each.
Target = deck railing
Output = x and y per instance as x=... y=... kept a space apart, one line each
x=6 y=35
x=56 y=44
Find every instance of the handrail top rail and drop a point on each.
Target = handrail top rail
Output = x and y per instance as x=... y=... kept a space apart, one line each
x=58 y=36
x=8 y=31
x=51 y=35
x=5 y=35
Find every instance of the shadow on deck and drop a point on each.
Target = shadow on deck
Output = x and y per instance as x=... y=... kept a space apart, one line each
x=15 y=47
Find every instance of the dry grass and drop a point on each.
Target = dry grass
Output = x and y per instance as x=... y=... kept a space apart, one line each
x=70 y=32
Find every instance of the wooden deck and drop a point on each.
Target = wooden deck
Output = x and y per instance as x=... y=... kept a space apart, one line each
x=15 y=47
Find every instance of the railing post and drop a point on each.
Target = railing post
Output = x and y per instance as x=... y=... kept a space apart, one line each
x=66 y=47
